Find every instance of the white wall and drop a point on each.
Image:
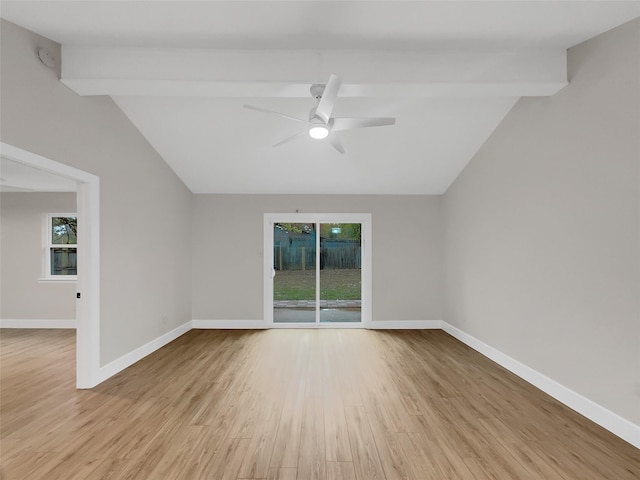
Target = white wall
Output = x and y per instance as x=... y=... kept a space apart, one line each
x=228 y=241
x=542 y=233
x=145 y=209
x=22 y=295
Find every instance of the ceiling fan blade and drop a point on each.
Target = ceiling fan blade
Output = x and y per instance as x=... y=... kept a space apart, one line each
x=328 y=100
x=288 y=139
x=336 y=143
x=264 y=110
x=338 y=124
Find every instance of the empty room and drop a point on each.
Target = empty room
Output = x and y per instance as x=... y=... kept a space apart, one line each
x=319 y=240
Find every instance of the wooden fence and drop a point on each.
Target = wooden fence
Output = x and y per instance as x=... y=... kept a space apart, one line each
x=333 y=255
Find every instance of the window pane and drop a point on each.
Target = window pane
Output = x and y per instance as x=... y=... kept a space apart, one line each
x=64 y=261
x=340 y=272
x=294 y=265
x=64 y=231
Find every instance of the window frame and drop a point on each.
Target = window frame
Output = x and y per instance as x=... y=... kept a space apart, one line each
x=48 y=245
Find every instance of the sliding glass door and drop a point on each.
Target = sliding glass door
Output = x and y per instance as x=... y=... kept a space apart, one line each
x=315 y=270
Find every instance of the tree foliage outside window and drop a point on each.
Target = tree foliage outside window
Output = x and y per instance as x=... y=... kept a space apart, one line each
x=296 y=227
x=341 y=231
x=64 y=230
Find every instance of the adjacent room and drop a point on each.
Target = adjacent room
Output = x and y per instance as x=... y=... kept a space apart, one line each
x=319 y=240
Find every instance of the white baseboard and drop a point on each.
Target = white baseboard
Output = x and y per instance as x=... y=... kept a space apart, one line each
x=37 y=323
x=229 y=324
x=613 y=422
x=139 y=353
x=405 y=324
x=261 y=324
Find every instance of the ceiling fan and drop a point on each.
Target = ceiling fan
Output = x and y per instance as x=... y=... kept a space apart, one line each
x=320 y=123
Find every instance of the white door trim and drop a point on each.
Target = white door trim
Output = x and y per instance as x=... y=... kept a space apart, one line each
x=88 y=283
x=363 y=218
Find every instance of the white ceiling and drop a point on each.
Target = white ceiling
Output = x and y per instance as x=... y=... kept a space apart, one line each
x=448 y=71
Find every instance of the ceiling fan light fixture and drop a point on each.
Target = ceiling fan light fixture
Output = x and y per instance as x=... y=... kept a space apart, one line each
x=318 y=132
x=321 y=123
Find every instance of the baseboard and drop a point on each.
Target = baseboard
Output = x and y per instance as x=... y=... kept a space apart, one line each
x=260 y=324
x=607 y=419
x=405 y=324
x=37 y=323
x=110 y=369
x=229 y=324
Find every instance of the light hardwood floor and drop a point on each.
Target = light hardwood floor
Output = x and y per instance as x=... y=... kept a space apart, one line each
x=291 y=404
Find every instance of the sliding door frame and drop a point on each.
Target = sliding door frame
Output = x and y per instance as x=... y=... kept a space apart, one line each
x=362 y=218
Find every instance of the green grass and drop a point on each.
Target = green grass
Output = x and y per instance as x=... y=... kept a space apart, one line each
x=337 y=294
x=283 y=293
x=301 y=285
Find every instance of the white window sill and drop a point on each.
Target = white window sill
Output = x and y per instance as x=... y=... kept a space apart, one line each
x=61 y=279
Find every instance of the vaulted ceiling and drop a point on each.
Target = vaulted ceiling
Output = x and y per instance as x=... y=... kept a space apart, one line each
x=449 y=71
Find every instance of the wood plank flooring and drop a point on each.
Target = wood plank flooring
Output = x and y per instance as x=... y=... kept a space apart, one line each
x=291 y=405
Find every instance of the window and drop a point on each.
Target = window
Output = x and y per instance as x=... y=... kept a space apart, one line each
x=61 y=250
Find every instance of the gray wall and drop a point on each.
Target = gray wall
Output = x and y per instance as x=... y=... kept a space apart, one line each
x=22 y=296
x=228 y=241
x=145 y=209
x=542 y=230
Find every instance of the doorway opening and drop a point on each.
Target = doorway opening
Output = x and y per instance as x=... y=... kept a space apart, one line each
x=88 y=258
x=317 y=270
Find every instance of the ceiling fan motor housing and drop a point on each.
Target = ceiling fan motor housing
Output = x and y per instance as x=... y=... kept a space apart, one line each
x=317 y=89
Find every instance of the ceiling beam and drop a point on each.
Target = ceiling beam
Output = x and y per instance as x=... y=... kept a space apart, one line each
x=287 y=73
